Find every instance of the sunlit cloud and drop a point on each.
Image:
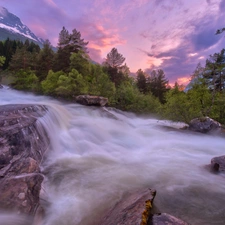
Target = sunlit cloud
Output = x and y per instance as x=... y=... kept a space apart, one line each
x=173 y=35
x=184 y=80
x=193 y=54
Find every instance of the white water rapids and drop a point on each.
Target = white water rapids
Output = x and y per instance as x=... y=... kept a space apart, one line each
x=95 y=159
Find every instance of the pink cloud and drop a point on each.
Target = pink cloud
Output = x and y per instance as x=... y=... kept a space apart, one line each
x=95 y=55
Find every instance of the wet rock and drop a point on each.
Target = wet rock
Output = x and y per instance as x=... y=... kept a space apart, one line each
x=23 y=142
x=91 y=100
x=218 y=163
x=204 y=125
x=165 y=219
x=21 y=193
x=1 y=86
x=134 y=209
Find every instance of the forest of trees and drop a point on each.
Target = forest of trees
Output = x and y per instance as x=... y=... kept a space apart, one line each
x=69 y=71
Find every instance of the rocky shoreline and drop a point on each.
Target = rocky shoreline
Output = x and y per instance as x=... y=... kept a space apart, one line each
x=23 y=143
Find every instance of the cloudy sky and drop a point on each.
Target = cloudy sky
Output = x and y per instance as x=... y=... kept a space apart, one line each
x=173 y=35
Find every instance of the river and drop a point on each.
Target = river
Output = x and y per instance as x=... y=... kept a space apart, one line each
x=96 y=158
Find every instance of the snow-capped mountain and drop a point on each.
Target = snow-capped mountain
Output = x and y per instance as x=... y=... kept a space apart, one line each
x=12 y=27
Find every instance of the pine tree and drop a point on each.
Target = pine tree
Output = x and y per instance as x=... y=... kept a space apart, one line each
x=158 y=84
x=114 y=66
x=68 y=44
x=114 y=59
x=45 y=60
x=141 y=81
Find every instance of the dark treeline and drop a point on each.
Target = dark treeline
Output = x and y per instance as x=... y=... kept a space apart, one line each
x=69 y=72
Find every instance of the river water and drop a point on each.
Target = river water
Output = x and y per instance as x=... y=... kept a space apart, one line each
x=95 y=159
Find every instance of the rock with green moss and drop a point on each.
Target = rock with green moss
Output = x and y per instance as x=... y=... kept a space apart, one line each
x=133 y=209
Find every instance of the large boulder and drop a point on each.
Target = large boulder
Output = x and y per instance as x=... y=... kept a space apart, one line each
x=91 y=100
x=134 y=209
x=137 y=209
x=204 y=125
x=218 y=163
x=23 y=142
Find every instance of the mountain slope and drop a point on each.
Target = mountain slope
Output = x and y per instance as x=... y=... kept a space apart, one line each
x=12 y=27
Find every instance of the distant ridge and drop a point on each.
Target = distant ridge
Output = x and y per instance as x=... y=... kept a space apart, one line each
x=11 y=27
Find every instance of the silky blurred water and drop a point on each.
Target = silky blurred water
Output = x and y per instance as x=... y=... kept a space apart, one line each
x=96 y=158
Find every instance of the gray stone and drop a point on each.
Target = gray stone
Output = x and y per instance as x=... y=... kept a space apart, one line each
x=91 y=100
x=23 y=143
x=204 y=125
x=133 y=209
x=218 y=163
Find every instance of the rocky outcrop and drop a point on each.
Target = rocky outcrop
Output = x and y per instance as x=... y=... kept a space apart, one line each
x=23 y=142
x=134 y=209
x=137 y=209
x=204 y=125
x=218 y=163
x=91 y=100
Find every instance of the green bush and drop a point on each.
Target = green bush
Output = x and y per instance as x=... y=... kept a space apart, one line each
x=25 y=80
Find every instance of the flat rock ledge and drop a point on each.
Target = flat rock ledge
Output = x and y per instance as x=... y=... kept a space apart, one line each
x=218 y=164
x=137 y=209
x=23 y=142
x=205 y=125
x=91 y=100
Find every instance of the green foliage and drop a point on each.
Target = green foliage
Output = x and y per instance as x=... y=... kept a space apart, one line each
x=114 y=59
x=9 y=47
x=68 y=44
x=2 y=60
x=80 y=62
x=65 y=85
x=129 y=98
x=158 y=84
x=100 y=84
x=218 y=109
x=25 y=80
x=23 y=59
x=79 y=82
x=44 y=61
x=183 y=107
x=50 y=84
x=141 y=81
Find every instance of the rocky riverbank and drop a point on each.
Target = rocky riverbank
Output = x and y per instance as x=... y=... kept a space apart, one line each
x=23 y=143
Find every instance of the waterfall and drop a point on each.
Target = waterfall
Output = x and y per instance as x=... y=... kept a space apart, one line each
x=98 y=154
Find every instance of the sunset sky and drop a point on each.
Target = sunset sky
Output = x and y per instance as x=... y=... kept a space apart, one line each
x=173 y=35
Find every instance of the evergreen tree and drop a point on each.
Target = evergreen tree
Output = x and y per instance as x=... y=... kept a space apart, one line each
x=114 y=59
x=141 y=81
x=44 y=60
x=68 y=44
x=158 y=84
x=80 y=62
x=215 y=70
x=114 y=66
x=23 y=59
